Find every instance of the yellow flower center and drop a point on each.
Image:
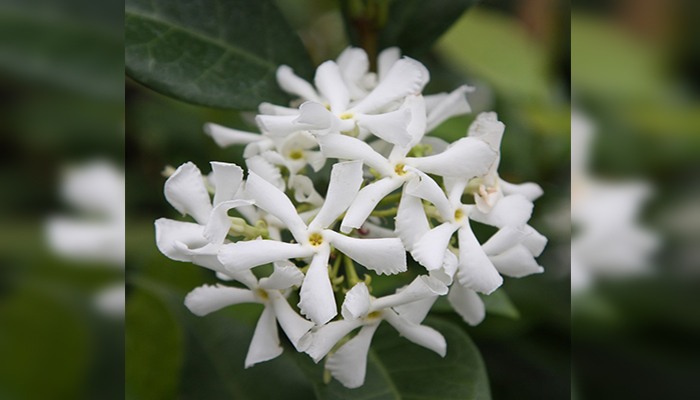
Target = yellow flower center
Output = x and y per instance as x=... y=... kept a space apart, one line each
x=374 y=315
x=346 y=115
x=315 y=239
x=459 y=214
x=399 y=169
x=296 y=154
x=263 y=294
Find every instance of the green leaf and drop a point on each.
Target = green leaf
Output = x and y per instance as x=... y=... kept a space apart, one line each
x=153 y=348
x=215 y=53
x=214 y=349
x=399 y=369
x=498 y=303
x=415 y=25
x=496 y=48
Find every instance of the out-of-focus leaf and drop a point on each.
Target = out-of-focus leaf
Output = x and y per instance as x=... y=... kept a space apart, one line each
x=153 y=348
x=71 y=44
x=399 y=369
x=44 y=345
x=608 y=63
x=215 y=53
x=415 y=25
x=496 y=48
x=498 y=303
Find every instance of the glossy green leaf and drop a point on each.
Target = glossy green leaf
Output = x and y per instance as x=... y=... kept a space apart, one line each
x=415 y=25
x=212 y=52
x=399 y=369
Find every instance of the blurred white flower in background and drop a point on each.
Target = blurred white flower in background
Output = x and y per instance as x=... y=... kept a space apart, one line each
x=608 y=240
x=94 y=232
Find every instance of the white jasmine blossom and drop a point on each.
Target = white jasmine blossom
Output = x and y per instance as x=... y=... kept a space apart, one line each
x=384 y=256
x=287 y=222
x=265 y=344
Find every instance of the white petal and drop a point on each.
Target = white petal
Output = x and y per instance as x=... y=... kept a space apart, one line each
x=280 y=125
x=329 y=82
x=345 y=181
x=245 y=277
x=433 y=100
x=451 y=105
x=285 y=275
x=467 y=303
x=467 y=158
x=405 y=77
x=273 y=109
x=391 y=126
x=421 y=288
x=354 y=65
x=535 y=241
x=475 y=269
x=304 y=191
x=293 y=325
x=185 y=190
x=316 y=116
x=383 y=256
x=219 y=222
x=503 y=240
x=516 y=262
x=265 y=344
x=227 y=179
x=275 y=202
x=438 y=145
x=365 y=202
x=419 y=334
x=348 y=148
x=426 y=188
x=530 y=190
x=488 y=128
x=316 y=159
x=415 y=312
x=266 y=170
x=356 y=302
x=318 y=343
x=349 y=364
x=225 y=137
x=317 y=301
x=293 y=84
x=386 y=59
x=169 y=232
x=245 y=255
x=429 y=251
x=375 y=231
x=411 y=221
x=415 y=129
x=207 y=299
x=514 y=210
x=450 y=264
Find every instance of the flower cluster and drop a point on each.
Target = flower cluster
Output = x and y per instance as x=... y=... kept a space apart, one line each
x=375 y=125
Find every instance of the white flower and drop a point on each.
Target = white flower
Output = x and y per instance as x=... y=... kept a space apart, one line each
x=384 y=256
x=467 y=157
x=265 y=344
x=510 y=251
x=488 y=128
x=349 y=363
x=199 y=242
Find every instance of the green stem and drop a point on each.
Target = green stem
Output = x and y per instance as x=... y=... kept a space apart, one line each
x=350 y=272
x=385 y=213
x=390 y=199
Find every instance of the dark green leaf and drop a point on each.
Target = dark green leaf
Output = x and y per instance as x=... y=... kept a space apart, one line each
x=399 y=369
x=153 y=348
x=498 y=303
x=211 y=52
x=415 y=25
x=214 y=349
